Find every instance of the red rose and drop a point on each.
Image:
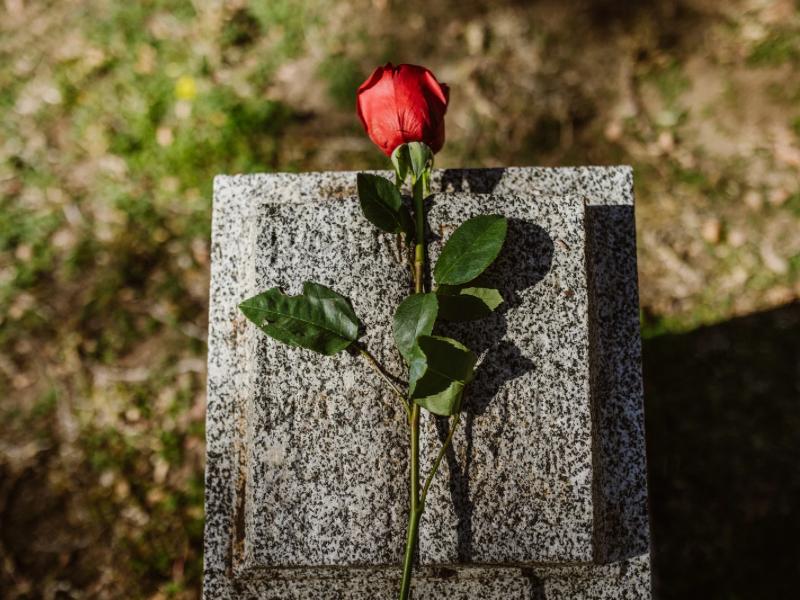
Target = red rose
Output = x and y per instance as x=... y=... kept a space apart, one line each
x=403 y=104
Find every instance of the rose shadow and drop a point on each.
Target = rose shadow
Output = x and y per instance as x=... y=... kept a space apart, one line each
x=525 y=260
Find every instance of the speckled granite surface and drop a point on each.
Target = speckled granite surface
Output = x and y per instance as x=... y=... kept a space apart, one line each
x=524 y=453
x=306 y=464
x=326 y=473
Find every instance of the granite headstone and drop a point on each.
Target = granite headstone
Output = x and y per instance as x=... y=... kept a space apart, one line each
x=544 y=492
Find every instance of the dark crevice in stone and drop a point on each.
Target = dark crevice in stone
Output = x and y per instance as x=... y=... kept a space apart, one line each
x=482 y=181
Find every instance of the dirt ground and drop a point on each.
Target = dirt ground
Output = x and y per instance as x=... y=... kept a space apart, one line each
x=114 y=117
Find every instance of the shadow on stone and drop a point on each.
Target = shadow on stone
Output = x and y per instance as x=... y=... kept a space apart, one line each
x=477 y=182
x=525 y=260
x=618 y=462
x=723 y=437
x=536 y=585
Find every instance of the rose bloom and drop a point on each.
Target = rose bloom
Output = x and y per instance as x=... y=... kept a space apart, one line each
x=403 y=104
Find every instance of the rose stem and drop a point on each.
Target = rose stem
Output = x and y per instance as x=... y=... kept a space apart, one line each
x=415 y=508
x=381 y=370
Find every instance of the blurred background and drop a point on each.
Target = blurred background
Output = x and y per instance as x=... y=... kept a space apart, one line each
x=115 y=116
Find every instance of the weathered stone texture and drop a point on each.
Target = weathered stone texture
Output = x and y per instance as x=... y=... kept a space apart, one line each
x=307 y=454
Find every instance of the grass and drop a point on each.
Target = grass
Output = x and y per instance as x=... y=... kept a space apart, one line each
x=780 y=47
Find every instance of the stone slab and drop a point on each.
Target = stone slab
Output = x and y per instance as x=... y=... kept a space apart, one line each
x=252 y=438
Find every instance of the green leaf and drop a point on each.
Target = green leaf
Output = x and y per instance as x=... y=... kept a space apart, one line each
x=319 y=319
x=420 y=157
x=467 y=302
x=414 y=317
x=471 y=249
x=383 y=206
x=439 y=370
x=414 y=157
x=401 y=161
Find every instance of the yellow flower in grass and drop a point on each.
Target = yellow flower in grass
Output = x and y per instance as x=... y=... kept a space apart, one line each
x=185 y=88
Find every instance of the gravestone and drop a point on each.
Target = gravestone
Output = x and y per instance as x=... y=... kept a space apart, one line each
x=543 y=494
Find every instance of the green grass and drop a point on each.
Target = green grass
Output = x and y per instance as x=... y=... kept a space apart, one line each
x=780 y=47
x=796 y=126
x=670 y=80
x=343 y=77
